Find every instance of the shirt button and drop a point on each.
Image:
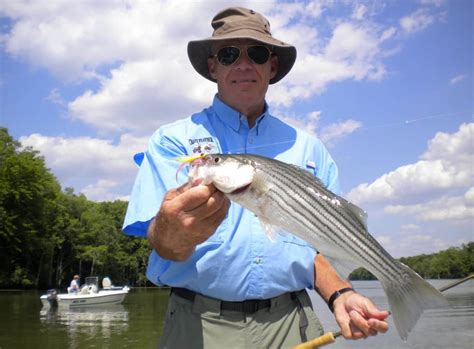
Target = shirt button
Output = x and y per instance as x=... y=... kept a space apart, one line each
x=250 y=140
x=258 y=260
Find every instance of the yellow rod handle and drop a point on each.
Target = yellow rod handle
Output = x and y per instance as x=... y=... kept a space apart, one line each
x=326 y=338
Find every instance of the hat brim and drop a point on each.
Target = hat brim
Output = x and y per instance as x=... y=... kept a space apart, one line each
x=200 y=50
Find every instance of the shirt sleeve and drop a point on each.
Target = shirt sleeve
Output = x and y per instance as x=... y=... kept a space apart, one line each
x=328 y=171
x=333 y=178
x=156 y=175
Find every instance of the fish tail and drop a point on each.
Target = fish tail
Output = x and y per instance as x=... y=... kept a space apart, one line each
x=409 y=297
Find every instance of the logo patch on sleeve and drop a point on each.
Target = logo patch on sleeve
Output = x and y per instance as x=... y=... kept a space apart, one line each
x=310 y=164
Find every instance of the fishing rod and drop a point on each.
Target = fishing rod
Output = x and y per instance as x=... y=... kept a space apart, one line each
x=327 y=338
x=330 y=337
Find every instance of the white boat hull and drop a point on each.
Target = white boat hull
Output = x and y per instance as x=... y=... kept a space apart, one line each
x=101 y=298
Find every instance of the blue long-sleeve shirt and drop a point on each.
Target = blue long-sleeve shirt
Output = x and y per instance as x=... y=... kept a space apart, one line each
x=238 y=261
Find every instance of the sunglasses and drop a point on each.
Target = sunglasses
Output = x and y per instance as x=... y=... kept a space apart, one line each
x=229 y=55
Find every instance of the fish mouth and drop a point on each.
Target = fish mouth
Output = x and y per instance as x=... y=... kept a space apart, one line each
x=240 y=190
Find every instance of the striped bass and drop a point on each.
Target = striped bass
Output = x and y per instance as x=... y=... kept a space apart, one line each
x=293 y=200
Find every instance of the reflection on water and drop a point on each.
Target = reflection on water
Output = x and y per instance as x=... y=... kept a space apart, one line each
x=85 y=327
x=91 y=321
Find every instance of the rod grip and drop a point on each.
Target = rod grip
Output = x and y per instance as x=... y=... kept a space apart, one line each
x=326 y=338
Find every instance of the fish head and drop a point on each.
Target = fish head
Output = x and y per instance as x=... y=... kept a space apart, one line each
x=228 y=173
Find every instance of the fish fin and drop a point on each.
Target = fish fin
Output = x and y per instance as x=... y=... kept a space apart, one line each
x=308 y=174
x=269 y=229
x=359 y=214
x=343 y=266
x=409 y=297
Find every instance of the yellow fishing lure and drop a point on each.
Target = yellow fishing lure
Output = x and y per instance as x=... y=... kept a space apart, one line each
x=190 y=158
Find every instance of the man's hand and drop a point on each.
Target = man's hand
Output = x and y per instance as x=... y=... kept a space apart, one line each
x=355 y=314
x=358 y=317
x=187 y=217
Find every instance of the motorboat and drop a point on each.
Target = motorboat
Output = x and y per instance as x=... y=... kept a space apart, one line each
x=89 y=295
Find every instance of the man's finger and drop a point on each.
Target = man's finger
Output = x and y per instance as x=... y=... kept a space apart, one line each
x=372 y=332
x=360 y=322
x=181 y=189
x=191 y=198
x=215 y=203
x=356 y=332
x=372 y=312
x=343 y=320
x=377 y=325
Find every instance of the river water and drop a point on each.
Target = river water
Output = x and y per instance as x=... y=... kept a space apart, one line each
x=138 y=322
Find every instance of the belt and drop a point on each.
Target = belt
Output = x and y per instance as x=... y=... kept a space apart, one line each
x=248 y=307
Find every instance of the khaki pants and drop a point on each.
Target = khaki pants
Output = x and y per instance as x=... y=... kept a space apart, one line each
x=202 y=324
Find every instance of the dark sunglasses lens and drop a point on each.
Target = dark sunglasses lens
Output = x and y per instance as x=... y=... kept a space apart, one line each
x=258 y=54
x=228 y=55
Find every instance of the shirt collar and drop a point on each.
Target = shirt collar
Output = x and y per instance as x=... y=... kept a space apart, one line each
x=232 y=117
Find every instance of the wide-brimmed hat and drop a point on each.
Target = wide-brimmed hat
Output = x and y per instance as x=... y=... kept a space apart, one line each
x=241 y=23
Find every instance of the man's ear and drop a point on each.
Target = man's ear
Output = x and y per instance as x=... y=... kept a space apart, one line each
x=211 y=65
x=273 y=66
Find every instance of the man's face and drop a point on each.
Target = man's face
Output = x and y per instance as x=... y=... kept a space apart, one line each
x=243 y=84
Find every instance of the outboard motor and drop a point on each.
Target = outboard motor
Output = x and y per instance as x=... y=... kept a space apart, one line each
x=52 y=297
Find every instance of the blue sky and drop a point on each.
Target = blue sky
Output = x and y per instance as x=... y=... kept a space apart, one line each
x=387 y=85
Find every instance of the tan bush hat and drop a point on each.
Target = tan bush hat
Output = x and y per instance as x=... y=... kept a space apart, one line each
x=241 y=23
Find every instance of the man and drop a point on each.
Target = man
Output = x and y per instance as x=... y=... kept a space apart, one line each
x=75 y=284
x=231 y=285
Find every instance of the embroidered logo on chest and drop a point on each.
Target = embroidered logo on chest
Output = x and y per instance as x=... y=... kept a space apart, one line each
x=202 y=145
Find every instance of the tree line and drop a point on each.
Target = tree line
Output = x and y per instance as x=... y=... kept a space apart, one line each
x=48 y=234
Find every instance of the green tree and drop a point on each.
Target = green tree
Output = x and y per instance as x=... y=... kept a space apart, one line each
x=28 y=193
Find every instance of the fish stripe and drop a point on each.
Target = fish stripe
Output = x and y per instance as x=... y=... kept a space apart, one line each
x=295 y=200
x=290 y=181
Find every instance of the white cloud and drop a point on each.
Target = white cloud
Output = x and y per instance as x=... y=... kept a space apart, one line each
x=469 y=197
x=103 y=190
x=457 y=79
x=417 y=21
x=140 y=96
x=436 y=192
x=136 y=51
x=408 y=228
x=359 y=11
x=436 y=3
x=308 y=124
x=384 y=240
x=353 y=52
x=441 y=209
x=316 y=8
x=336 y=131
x=453 y=149
x=84 y=160
x=55 y=97
x=74 y=40
x=414 y=241
x=447 y=164
x=411 y=244
x=329 y=134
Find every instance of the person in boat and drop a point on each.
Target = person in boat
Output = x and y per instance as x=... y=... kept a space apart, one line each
x=75 y=285
x=232 y=286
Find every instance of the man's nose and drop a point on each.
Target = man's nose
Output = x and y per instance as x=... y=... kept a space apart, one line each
x=244 y=61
